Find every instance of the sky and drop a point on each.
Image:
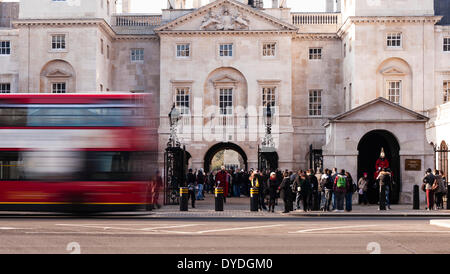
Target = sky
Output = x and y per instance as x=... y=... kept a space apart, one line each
x=155 y=6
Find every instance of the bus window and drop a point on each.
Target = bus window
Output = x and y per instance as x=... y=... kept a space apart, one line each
x=11 y=166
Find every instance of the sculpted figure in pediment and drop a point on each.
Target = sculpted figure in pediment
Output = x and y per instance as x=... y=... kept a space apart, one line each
x=210 y=20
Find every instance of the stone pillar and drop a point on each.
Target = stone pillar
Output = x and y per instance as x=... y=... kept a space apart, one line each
x=197 y=4
x=126 y=4
x=329 y=5
x=283 y=4
x=180 y=4
x=275 y=4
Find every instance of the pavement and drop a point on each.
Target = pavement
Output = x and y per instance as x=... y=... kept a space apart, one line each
x=240 y=207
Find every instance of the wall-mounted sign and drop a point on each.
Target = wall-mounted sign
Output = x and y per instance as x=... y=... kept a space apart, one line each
x=413 y=165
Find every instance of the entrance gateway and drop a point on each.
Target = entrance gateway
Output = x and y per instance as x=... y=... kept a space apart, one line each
x=223 y=146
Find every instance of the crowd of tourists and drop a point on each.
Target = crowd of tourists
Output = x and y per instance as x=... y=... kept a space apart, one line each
x=330 y=190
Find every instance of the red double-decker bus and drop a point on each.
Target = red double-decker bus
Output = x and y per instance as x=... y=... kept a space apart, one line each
x=74 y=152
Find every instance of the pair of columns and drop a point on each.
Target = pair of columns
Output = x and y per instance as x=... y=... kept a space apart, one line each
x=181 y=4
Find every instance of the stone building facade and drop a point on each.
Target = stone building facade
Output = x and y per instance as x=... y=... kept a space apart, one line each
x=342 y=84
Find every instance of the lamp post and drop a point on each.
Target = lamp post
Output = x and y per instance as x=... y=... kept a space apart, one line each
x=267 y=155
x=174 y=161
x=174 y=117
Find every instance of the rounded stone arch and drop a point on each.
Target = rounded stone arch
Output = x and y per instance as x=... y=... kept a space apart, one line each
x=442 y=163
x=395 y=69
x=225 y=77
x=223 y=146
x=369 y=149
x=57 y=71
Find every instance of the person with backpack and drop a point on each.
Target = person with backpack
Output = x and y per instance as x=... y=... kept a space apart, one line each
x=349 y=194
x=440 y=189
x=328 y=191
x=340 y=189
x=427 y=187
x=334 y=174
x=322 y=182
x=313 y=198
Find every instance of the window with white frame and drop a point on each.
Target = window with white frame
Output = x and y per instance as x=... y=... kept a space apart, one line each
x=226 y=101
x=58 y=41
x=5 y=88
x=182 y=100
x=183 y=50
x=315 y=102
x=315 y=53
x=137 y=55
x=268 y=97
x=226 y=50
x=269 y=49
x=394 y=91
x=394 y=40
x=447 y=44
x=5 y=47
x=446 y=91
x=59 y=87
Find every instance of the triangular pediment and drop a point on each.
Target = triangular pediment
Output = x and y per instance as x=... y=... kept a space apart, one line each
x=226 y=15
x=58 y=74
x=393 y=71
x=379 y=110
x=225 y=81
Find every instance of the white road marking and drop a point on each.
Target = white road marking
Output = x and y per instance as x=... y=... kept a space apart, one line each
x=237 y=228
x=127 y=228
x=441 y=223
x=12 y=228
x=331 y=228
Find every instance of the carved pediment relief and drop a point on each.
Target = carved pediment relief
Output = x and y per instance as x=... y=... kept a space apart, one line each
x=58 y=74
x=226 y=19
x=392 y=71
x=225 y=81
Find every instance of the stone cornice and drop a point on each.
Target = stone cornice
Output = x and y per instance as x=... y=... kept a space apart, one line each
x=315 y=36
x=100 y=22
x=386 y=19
x=230 y=32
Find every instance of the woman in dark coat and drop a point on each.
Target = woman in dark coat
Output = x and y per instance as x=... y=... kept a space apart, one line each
x=272 y=186
x=286 y=192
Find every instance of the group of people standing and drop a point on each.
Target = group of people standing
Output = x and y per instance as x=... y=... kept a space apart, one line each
x=435 y=187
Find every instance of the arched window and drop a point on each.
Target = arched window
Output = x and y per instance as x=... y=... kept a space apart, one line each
x=443 y=159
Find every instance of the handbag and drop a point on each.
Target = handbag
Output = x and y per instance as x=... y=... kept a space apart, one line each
x=423 y=187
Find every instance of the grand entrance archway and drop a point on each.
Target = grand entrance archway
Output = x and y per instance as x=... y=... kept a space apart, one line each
x=369 y=149
x=223 y=146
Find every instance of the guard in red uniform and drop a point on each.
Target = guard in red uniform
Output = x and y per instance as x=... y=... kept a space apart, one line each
x=381 y=164
x=222 y=181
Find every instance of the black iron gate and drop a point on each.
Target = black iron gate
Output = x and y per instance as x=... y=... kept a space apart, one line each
x=175 y=165
x=441 y=163
x=315 y=159
x=267 y=159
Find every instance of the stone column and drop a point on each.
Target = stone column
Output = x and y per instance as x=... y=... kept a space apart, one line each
x=275 y=4
x=126 y=4
x=197 y=4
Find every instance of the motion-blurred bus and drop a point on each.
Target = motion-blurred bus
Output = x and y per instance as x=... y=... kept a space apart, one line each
x=74 y=153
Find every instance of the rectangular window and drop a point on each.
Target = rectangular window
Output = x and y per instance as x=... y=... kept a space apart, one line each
x=447 y=44
x=394 y=40
x=5 y=88
x=58 y=41
x=183 y=100
x=394 y=91
x=446 y=91
x=137 y=55
x=107 y=51
x=268 y=97
x=345 y=50
x=183 y=50
x=226 y=50
x=226 y=101
x=101 y=46
x=315 y=53
x=59 y=87
x=269 y=49
x=315 y=102
x=5 y=47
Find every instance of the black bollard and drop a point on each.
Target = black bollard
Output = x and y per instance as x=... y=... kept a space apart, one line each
x=254 y=199
x=448 y=197
x=184 y=197
x=416 y=198
x=382 y=197
x=219 y=198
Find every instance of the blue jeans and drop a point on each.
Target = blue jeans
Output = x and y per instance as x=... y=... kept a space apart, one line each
x=200 y=192
x=388 y=203
x=348 y=201
x=334 y=201
x=237 y=190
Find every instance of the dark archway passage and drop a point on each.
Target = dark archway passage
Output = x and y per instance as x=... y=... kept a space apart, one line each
x=223 y=146
x=369 y=149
